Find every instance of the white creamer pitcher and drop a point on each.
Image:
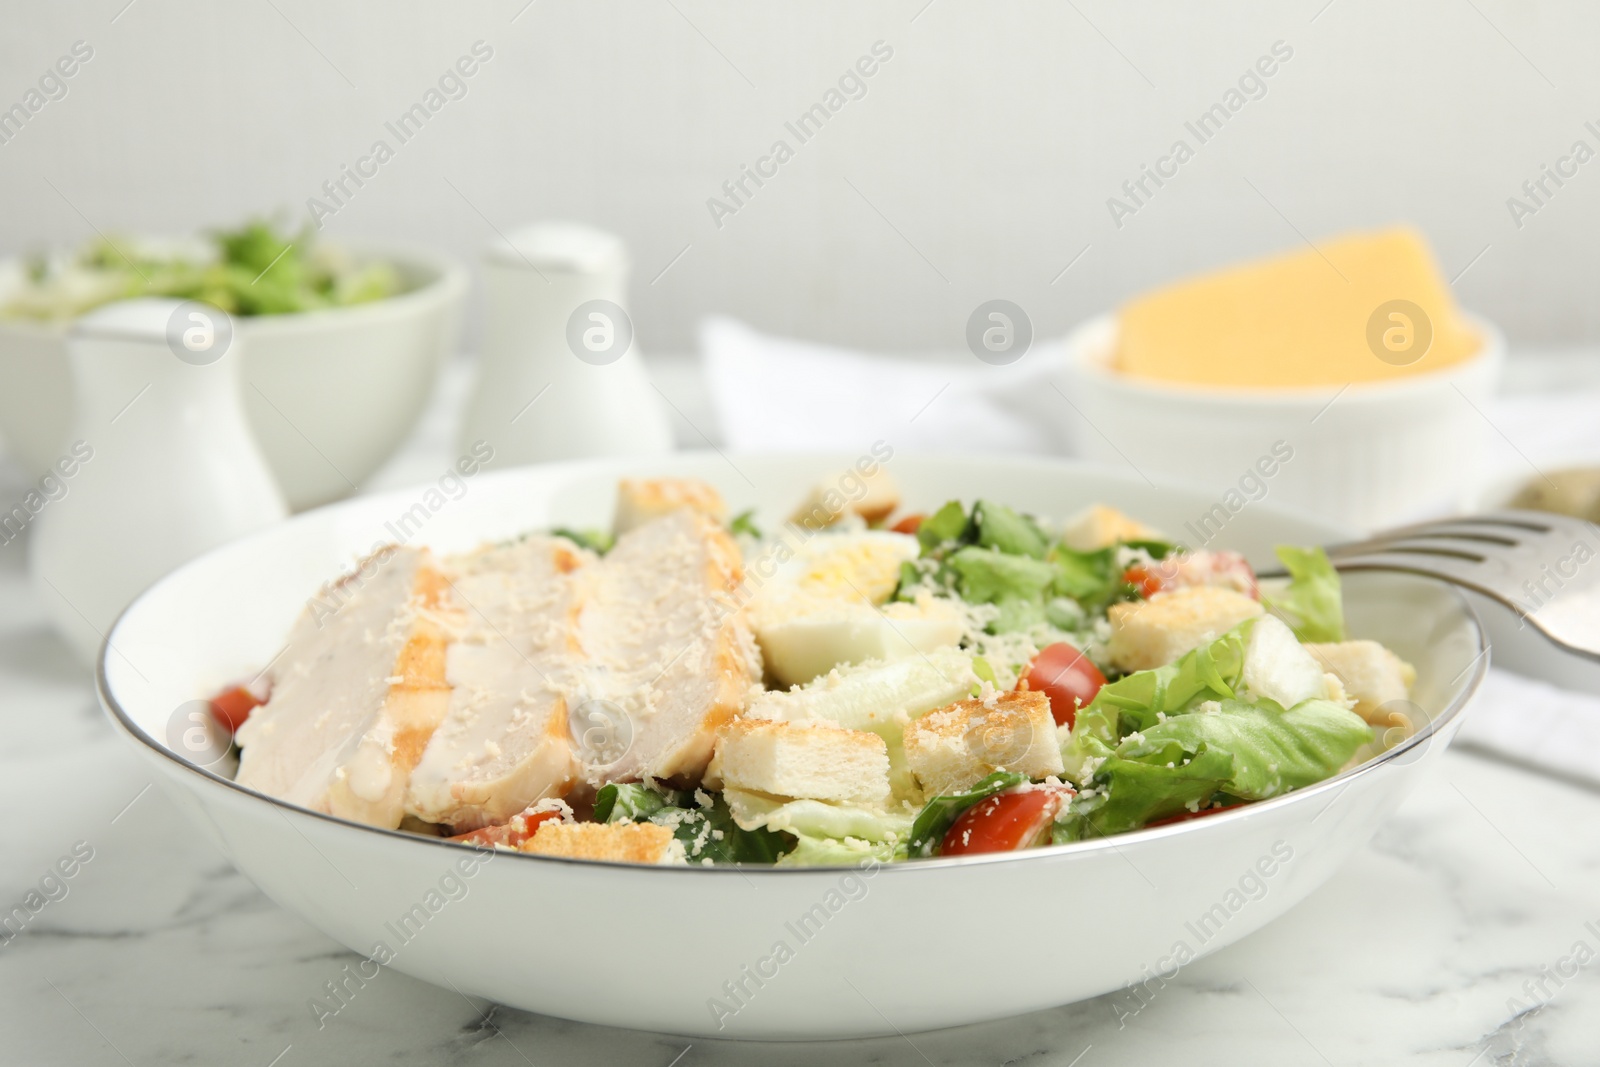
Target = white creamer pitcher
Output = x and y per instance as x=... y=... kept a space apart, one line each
x=171 y=467
x=560 y=375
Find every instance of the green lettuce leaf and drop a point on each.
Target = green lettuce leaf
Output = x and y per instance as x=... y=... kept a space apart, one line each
x=1090 y=578
x=829 y=852
x=1138 y=701
x=949 y=523
x=1065 y=614
x=745 y=523
x=1017 y=614
x=1093 y=578
x=629 y=802
x=597 y=541
x=1274 y=749
x=988 y=576
x=1005 y=530
x=1311 y=603
x=710 y=833
x=815 y=818
x=706 y=832
x=1133 y=789
x=1247 y=751
x=941 y=812
x=1154 y=549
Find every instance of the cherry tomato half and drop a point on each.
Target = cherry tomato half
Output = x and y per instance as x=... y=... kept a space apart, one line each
x=1145 y=581
x=1065 y=675
x=1223 y=569
x=908 y=525
x=1018 y=818
x=232 y=707
x=512 y=833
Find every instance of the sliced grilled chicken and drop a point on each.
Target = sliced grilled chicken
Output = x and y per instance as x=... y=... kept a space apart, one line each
x=357 y=693
x=666 y=641
x=505 y=743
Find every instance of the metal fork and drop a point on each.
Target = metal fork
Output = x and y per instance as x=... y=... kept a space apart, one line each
x=1543 y=566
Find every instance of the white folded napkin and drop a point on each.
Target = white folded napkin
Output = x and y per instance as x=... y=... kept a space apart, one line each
x=1536 y=723
x=777 y=393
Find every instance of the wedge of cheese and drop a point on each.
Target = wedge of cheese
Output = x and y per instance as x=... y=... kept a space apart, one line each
x=506 y=742
x=1314 y=317
x=663 y=638
x=357 y=692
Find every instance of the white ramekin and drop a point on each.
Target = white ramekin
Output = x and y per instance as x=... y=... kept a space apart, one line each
x=1366 y=454
x=329 y=394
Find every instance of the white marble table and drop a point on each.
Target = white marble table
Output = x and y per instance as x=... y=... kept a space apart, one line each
x=157 y=952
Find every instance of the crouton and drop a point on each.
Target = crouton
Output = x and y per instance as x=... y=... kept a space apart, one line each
x=1098 y=526
x=950 y=749
x=640 y=500
x=1371 y=675
x=518 y=829
x=627 y=842
x=1151 y=633
x=872 y=496
x=802 y=760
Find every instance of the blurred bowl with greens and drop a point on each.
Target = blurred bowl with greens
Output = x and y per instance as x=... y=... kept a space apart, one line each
x=342 y=342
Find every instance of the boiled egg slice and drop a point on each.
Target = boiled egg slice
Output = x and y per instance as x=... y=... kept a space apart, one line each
x=823 y=605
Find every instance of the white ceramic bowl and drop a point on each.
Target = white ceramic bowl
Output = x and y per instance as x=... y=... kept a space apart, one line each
x=329 y=394
x=1366 y=456
x=908 y=947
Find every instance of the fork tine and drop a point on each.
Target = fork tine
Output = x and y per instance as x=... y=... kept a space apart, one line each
x=1545 y=523
x=1458 y=568
x=1508 y=529
x=1540 y=522
x=1506 y=522
x=1447 y=535
x=1464 y=547
x=1413 y=548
